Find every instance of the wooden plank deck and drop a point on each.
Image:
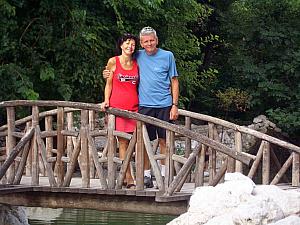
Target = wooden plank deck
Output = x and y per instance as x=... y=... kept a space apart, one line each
x=147 y=201
x=76 y=186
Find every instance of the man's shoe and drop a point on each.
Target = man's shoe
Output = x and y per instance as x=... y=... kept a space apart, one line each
x=148 y=183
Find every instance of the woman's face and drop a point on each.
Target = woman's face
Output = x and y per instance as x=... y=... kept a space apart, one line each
x=128 y=47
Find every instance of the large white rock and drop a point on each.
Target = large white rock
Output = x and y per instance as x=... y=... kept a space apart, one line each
x=288 y=201
x=257 y=210
x=291 y=220
x=239 y=202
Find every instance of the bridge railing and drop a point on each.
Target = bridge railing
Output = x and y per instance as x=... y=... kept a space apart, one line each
x=33 y=153
x=265 y=157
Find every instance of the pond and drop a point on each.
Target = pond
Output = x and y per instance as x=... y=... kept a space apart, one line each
x=45 y=216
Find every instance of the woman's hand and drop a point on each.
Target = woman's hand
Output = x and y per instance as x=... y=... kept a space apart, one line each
x=106 y=73
x=104 y=105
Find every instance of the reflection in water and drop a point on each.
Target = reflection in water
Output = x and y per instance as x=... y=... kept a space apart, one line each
x=93 y=217
x=45 y=214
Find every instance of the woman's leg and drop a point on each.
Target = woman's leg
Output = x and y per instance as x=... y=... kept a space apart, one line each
x=123 y=144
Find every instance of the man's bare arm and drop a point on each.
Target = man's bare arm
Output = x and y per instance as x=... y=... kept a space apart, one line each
x=175 y=97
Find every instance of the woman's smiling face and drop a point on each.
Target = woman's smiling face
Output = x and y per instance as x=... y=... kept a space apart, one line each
x=128 y=46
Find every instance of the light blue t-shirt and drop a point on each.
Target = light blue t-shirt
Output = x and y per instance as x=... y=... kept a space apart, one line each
x=156 y=72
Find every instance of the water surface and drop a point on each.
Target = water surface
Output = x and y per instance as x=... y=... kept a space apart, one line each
x=42 y=216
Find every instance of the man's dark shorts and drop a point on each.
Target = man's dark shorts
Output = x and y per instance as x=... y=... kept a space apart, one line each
x=159 y=113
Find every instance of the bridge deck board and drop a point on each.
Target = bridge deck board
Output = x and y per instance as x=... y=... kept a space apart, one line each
x=76 y=187
x=147 y=201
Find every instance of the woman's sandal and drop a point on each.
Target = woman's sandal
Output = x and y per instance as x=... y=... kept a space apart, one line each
x=130 y=186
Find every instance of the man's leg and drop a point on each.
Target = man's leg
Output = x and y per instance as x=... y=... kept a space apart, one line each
x=162 y=147
x=147 y=172
x=152 y=135
x=163 y=114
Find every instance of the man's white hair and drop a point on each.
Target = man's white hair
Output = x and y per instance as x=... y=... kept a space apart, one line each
x=146 y=31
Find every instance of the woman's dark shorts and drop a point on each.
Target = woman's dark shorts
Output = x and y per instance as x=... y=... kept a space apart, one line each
x=159 y=113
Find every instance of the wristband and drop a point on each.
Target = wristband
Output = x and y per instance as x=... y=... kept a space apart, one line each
x=175 y=104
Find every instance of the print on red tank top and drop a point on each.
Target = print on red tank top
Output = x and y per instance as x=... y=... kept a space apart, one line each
x=124 y=94
x=124 y=87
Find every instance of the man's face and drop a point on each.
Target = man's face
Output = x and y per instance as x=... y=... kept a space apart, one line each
x=149 y=43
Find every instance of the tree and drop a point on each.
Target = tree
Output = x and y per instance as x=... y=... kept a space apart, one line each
x=57 y=49
x=262 y=57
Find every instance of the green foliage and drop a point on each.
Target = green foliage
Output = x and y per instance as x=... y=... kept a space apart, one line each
x=175 y=22
x=53 y=50
x=59 y=48
x=262 y=56
x=233 y=99
x=286 y=119
x=248 y=52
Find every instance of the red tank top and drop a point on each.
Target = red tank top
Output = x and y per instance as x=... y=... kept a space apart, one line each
x=124 y=93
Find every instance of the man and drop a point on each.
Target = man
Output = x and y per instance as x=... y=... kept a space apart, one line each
x=158 y=90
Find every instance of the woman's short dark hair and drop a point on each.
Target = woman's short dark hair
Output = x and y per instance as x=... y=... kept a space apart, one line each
x=124 y=38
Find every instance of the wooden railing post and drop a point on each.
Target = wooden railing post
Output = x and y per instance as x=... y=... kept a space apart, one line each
x=49 y=140
x=28 y=168
x=283 y=169
x=24 y=159
x=11 y=141
x=200 y=167
x=111 y=152
x=188 y=142
x=238 y=148
x=152 y=160
x=84 y=154
x=183 y=171
x=296 y=169
x=70 y=145
x=212 y=153
x=169 y=163
x=139 y=160
x=266 y=164
x=60 y=147
x=35 y=152
x=91 y=127
x=257 y=160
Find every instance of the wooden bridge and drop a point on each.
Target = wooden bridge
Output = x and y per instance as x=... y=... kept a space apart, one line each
x=49 y=158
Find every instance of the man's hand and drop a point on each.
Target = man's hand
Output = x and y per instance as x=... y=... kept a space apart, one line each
x=174 y=112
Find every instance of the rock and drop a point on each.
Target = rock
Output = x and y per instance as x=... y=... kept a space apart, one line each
x=238 y=201
x=291 y=220
x=12 y=215
x=288 y=201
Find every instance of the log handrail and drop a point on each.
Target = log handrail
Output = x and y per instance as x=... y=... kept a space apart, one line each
x=241 y=129
x=90 y=106
x=211 y=142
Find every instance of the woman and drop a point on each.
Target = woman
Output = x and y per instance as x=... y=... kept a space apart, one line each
x=121 y=91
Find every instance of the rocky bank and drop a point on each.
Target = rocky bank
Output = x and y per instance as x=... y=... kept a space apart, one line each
x=238 y=201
